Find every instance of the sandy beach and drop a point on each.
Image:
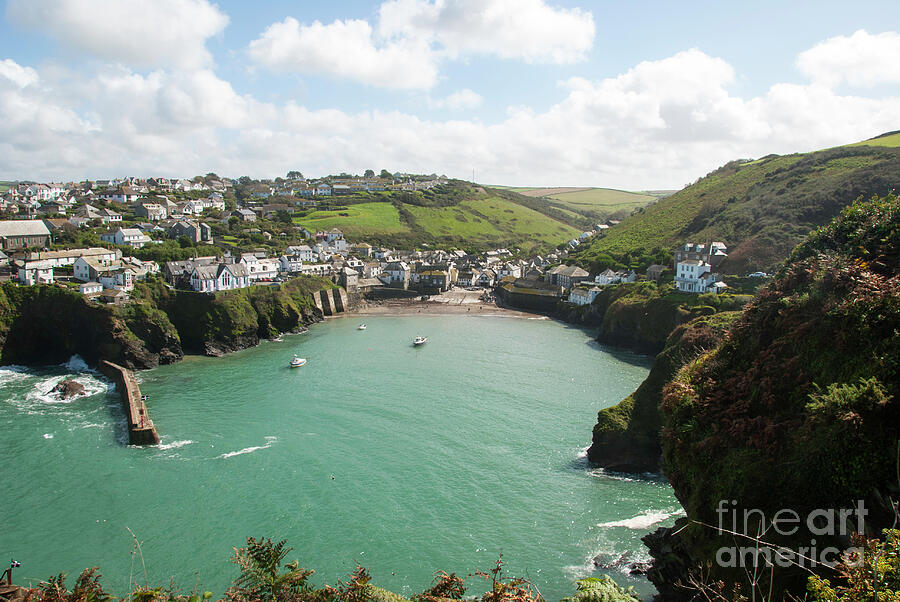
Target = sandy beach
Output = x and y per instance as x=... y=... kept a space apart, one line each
x=453 y=302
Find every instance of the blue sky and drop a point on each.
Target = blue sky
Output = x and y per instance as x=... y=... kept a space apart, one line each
x=636 y=95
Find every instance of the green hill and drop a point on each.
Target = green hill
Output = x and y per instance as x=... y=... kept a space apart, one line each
x=456 y=215
x=597 y=204
x=761 y=209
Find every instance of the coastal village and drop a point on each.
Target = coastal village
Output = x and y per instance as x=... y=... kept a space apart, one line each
x=200 y=221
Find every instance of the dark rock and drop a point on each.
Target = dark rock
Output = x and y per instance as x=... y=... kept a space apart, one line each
x=68 y=389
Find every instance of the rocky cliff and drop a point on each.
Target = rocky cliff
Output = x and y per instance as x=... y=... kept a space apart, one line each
x=796 y=410
x=49 y=324
x=626 y=437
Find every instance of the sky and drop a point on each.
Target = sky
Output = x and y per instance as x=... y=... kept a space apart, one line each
x=621 y=94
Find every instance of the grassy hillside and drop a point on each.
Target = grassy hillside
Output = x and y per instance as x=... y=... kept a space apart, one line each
x=358 y=221
x=595 y=203
x=760 y=209
x=4 y=186
x=890 y=139
x=458 y=215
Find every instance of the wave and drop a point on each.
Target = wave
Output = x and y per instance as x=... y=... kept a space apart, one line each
x=643 y=521
x=582 y=454
x=12 y=374
x=76 y=364
x=175 y=444
x=249 y=450
x=48 y=435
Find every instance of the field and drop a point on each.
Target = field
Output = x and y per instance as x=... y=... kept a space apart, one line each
x=491 y=220
x=889 y=140
x=358 y=221
x=4 y=186
x=597 y=203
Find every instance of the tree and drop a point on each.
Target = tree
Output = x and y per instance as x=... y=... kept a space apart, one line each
x=369 y=174
x=294 y=175
x=385 y=174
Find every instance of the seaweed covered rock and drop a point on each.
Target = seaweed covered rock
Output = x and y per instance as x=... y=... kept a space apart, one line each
x=797 y=410
x=626 y=437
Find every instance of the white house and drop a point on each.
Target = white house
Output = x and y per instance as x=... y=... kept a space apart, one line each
x=584 y=296
x=304 y=252
x=396 y=273
x=35 y=272
x=606 y=277
x=126 y=236
x=696 y=276
x=220 y=277
x=90 y=288
x=68 y=257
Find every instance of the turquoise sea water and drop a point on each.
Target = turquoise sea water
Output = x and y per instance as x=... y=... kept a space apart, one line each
x=406 y=460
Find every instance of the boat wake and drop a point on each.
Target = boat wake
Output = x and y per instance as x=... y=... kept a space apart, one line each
x=249 y=450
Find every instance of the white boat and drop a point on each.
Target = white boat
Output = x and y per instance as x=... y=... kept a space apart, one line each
x=297 y=362
x=361 y=327
x=420 y=341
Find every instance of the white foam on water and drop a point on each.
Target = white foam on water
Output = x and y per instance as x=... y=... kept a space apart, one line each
x=601 y=473
x=12 y=374
x=250 y=450
x=583 y=453
x=175 y=444
x=48 y=435
x=76 y=364
x=42 y=393
x=643 y=521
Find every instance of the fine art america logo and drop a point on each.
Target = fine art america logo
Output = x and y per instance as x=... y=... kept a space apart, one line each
x=754 y=528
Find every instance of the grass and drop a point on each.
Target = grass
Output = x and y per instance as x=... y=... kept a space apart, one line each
x=4 y=186
x=491 y=220
x=890 y=140
x=357 y=221
x=597 y=203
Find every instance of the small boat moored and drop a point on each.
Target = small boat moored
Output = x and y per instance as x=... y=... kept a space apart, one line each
x=420 y=341
x=297 y=362
x=361 y=327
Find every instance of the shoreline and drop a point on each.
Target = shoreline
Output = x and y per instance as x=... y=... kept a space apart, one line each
x=416 y=307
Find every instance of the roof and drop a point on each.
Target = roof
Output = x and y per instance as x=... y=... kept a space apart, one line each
x=571 y=271
x=23 y=227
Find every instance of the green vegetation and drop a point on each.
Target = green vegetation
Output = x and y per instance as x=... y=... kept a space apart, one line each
x=456 y=215
x=760 y=209
x=4 y=186
x=798 y=407
x=357 y=222
x=890 y=139
x=626 y=437
x=596 y=203
x=266 y=577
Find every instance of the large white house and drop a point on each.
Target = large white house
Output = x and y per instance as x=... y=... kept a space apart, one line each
x=35 y=272
x=584 y=296
x=219 y=277
x=126 y=236
x=696 y=276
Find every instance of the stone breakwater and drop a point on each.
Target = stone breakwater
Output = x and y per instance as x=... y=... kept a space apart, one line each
x=141 y=430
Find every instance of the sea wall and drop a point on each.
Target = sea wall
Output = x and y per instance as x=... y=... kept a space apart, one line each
x=141 y=430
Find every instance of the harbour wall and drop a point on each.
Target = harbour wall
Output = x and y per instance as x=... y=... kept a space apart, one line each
x=141 y=430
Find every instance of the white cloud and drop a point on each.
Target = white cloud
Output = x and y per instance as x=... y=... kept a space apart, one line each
x=344 y=49
x=463 y=99
x=413 y=36
x=658 y=125
x=141 y=33
x=862 y=59
x=511 y=29
x=16 y=74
